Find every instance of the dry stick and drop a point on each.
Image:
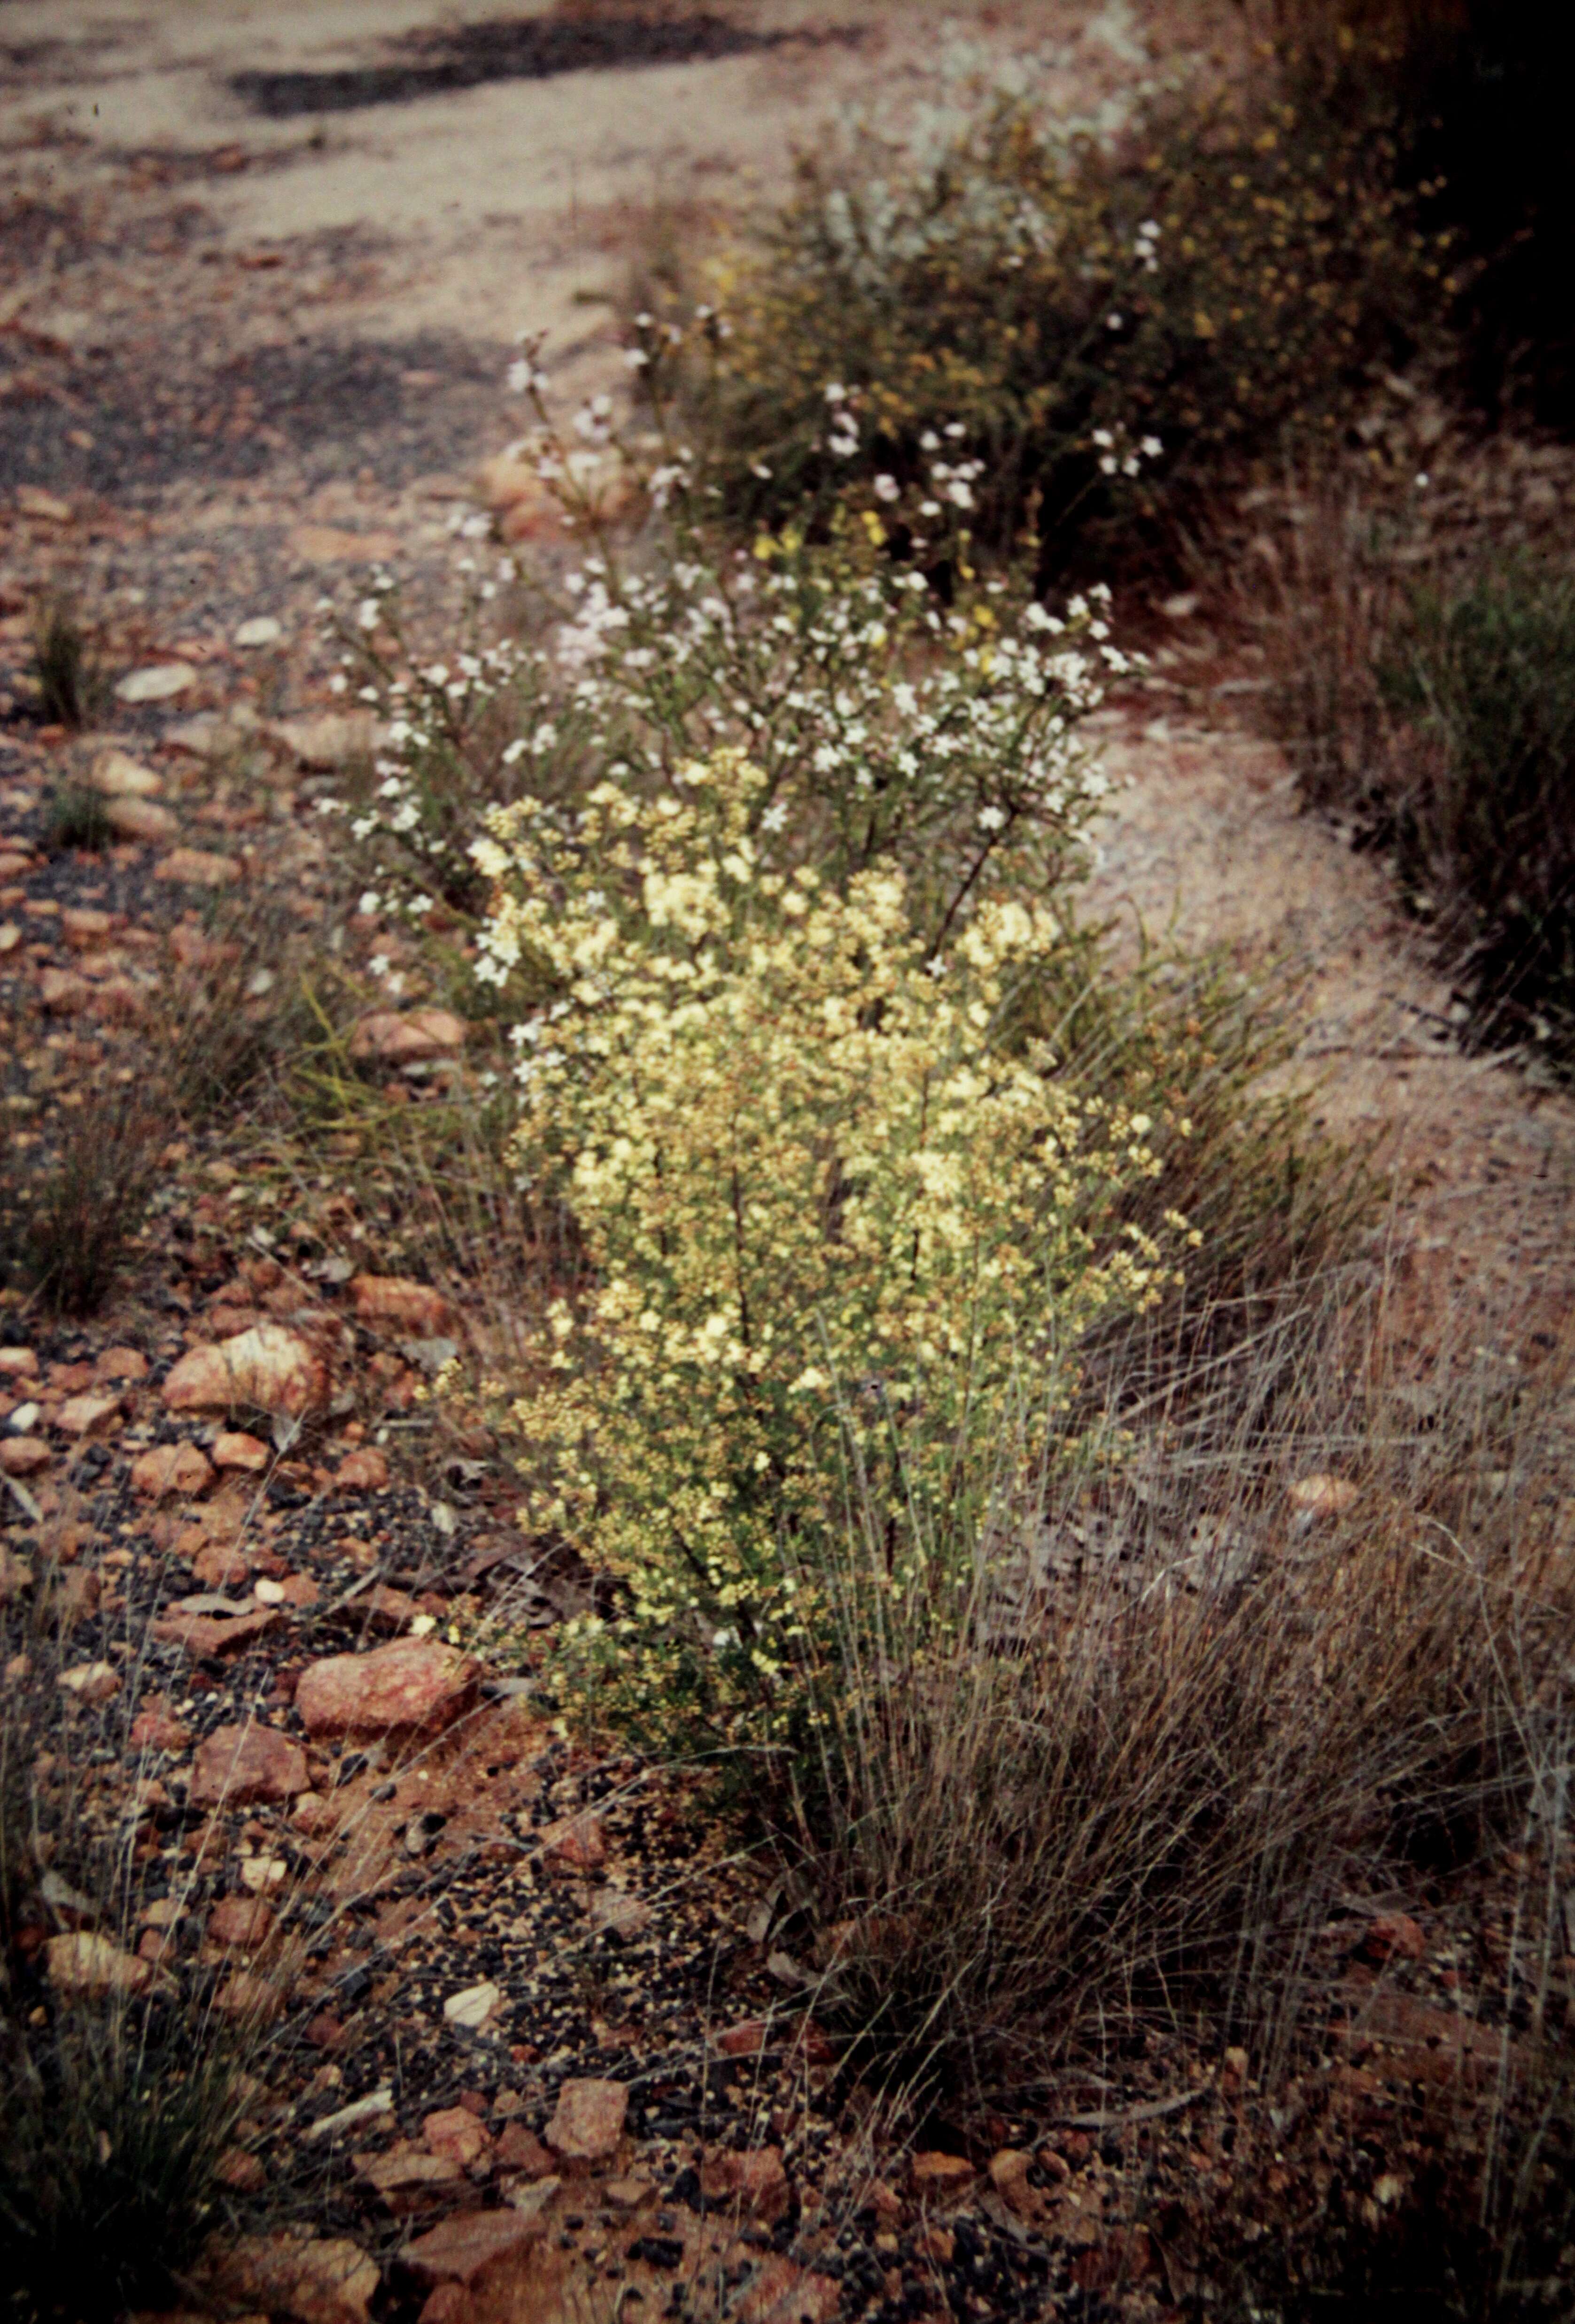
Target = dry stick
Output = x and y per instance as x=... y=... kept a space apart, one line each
x=1149 y=2111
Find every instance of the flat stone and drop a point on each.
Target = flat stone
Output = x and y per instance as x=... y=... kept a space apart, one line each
x=417 y=1684
x=24 y=1456
x=471 y=2009
x=159 y=681
x=121 y=1364
x=118 y=775
x=459 y=2249
x=196 y=867
x=255 y=2000
x=203 y=1635
x=240 y=1765
x=409 y=1037
x=18 y=1363
x=453 y=2130
x=755 y=2181
x=62 y=992
x=575 y=1844
x=266 y=1369
x=87 y=1415
x=91 y=1968
x=322 y=745
x=172 y=1471
x=1323 y=1497
x=329 y=2280
x=245 y=1921
x=92 y=1682
x=411 y=2173
x=394 y=1299
x=84 y=926
x=142 y=819
x=234 y=1448
x=941 y=2175
x=588 y=2120
x=364 y=1471
x=262 y=630
x=519 y=2149
x=155 y=1730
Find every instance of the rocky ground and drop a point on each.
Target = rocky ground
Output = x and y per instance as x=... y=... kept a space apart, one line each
x=526 y=2042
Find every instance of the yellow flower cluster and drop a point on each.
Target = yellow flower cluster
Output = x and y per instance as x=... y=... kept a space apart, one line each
x=843 y=1242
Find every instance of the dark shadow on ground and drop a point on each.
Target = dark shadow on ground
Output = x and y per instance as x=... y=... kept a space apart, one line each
x=438 y=63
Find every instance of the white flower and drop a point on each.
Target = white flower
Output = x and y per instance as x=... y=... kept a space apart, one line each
x=1151 y=448
x=515 y=751
x=379 y=965
x=370 y=903
x=991 y=818
x=338 y=682
x=1112 y=322
x=836 y=392
x=887 y=488
x=636 y=358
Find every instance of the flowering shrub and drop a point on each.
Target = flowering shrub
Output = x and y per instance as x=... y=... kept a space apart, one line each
x=843 y=1246
x=886 y=724
x=1094 y=325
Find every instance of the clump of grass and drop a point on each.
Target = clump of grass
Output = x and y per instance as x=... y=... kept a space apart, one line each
x=1483 y=676
x=113 y=2119
x=71 y=1219
x=78 y=817
x=114 y=2111
x=1184 y=1720
x=70 y=682
x=236 y=1016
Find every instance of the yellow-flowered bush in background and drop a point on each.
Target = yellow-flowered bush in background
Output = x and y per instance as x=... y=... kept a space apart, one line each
x=1095 y=322
x=842 y=1244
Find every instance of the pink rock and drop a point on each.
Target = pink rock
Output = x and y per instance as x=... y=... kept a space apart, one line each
x=125 y=1364
x=92 y=1682
x=24 y=1456
x=171 y=1469
x=90 y=1966
x=267 y=1369
x=141 y=819
x=18 y=1363
x=241 y=1763
x=330 y=2281
x=61 y=991
x=206 y=1635
x=364 y=1471
x=756 y=2181
x=415 y=1037
x=195 y=868
x=391 y=1299
x=415 y=1684
x=588 y=2121
x=155 y=1730
x=460 y=2249
x=87 y=1415
x=234 y=1448
x=245 y=1921
x=456 y=2132
x=255 y=2000
x=575 y=1844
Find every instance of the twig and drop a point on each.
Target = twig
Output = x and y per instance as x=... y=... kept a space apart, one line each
x=1149 y=2111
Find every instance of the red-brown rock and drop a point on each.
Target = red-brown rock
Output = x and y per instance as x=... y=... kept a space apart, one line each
x=364 y=1471
x=267 y=1369
x=588 y=2121
x=171 y=1469
x=154 y=1729
x=416 y=1037
x=241 y=1764
x=331 y=2282
x=460 y=2249
x=391 y=1299
x=756 y=2181
x=204 y=1635
x=245 y=1921
x=574 y=1844
x=519 y=2149
x=454 y=2132
x=418 y=1685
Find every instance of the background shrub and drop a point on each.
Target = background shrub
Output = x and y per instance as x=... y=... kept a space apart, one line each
x=1099 y=326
